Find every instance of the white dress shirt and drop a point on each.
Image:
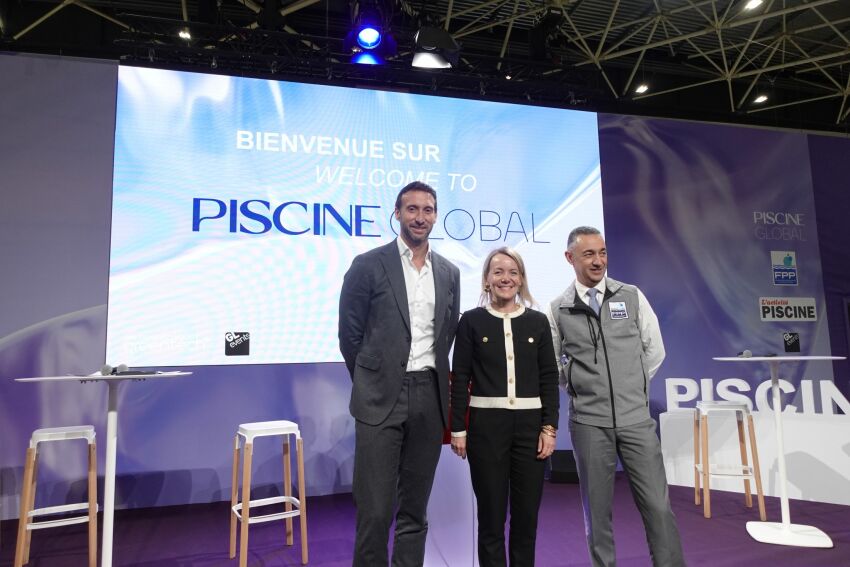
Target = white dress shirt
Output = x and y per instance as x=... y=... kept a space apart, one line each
x=650 y=332
x=421 y=301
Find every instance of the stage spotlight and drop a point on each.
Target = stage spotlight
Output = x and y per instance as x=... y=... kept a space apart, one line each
x=369 y=23
x=753 y=4
x=760 y=99
x=185 y=34
x=366 y=58
x=369 y=34
x=435 y=49
x=369 y=38
x=642 y=88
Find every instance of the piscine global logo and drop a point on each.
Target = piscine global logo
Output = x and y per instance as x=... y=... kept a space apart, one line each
x=237 y=343
x=784 y=266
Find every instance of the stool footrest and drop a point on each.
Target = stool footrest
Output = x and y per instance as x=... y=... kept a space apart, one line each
x=237 y=510
x=272 y=517
x=728 y=470
x=63 y=509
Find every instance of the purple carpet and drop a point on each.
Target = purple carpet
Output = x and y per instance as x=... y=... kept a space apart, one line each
x=197 y=535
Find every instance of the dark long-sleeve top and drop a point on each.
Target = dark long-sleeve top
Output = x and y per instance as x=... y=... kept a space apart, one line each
x=510 y=360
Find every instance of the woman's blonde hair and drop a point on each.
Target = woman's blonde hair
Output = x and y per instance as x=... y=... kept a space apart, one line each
x=523 y=295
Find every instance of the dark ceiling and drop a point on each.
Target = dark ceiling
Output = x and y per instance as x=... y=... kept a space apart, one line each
x=701 y=59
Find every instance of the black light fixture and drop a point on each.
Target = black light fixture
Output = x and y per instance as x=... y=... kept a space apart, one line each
x=544 y=30
x=208 y=11
x=435 y=49
x=269 y=17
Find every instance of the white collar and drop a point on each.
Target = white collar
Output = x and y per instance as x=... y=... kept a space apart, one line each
x=581 y=289
x=500 y=315
x=404 y=249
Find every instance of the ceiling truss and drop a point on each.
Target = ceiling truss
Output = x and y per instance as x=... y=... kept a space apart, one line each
x=706 y=59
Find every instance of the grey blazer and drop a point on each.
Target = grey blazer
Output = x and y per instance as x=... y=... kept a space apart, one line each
x=374 y=329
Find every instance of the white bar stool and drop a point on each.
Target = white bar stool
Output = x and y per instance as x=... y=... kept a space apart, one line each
x=241 y=511
x=26 y=523
x=702 y=467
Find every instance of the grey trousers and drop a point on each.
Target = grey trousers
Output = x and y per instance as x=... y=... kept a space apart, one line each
x=596 y=450
x=394 y=466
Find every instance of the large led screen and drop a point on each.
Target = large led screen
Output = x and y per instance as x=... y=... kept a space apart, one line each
x=239 y=204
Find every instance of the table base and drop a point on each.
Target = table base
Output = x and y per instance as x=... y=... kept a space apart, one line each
x=788 y=534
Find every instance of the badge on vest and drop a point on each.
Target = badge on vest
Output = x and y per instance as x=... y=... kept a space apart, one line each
x=618 y=310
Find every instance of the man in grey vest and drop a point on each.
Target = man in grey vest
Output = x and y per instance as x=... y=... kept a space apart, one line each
x=609 y=346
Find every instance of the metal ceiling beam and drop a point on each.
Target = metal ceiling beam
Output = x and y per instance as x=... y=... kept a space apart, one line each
x=707 y=30
x=639 y=60
x=480 y=17
x=823 y=71
x=498 y=22
x=471 y=10
x=753 y=32
x=62 y=5
x=507 y=37
x=794 y=103
x=755 y=78
x=587 y=51
x=794 y=32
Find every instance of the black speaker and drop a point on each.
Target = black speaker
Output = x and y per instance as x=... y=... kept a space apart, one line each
x=563 y=467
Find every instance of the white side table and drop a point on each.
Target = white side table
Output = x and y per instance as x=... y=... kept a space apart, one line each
x=782 y=533
x=113 y=381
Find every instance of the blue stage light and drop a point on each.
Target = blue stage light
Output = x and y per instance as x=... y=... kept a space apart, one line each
x=366 y=58
x=369 y=37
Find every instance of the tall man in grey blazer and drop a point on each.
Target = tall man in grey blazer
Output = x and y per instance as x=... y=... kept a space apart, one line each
x=398 y=311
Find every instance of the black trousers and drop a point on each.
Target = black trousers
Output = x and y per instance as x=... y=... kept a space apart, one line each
x=394 y=466
x=502 y=450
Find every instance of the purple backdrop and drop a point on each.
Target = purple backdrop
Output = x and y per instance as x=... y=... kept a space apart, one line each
x=830 y=159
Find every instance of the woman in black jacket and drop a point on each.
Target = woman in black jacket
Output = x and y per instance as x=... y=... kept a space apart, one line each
x=506 y=374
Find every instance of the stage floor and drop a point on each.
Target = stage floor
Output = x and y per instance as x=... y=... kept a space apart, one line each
x=197 y=535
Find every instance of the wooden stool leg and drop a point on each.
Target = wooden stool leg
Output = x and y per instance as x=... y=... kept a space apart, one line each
x=234 y=496
x=696 y=457
x=92 y=505
x=23 y=520
x=302 y=499
x=246 y=502
x=287 y=486
x=756 y=467
x=706 y=486
x=31 y=504
x=742 y=446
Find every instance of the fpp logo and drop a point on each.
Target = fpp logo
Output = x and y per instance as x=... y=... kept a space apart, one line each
x=792 y=342
x=237 y=343
x=784 y=264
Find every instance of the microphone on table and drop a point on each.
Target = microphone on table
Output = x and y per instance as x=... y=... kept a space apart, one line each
x=747 y=353
x=108 y=370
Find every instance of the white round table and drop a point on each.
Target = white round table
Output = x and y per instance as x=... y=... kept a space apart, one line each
x=784 y=532
x=113 y=381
